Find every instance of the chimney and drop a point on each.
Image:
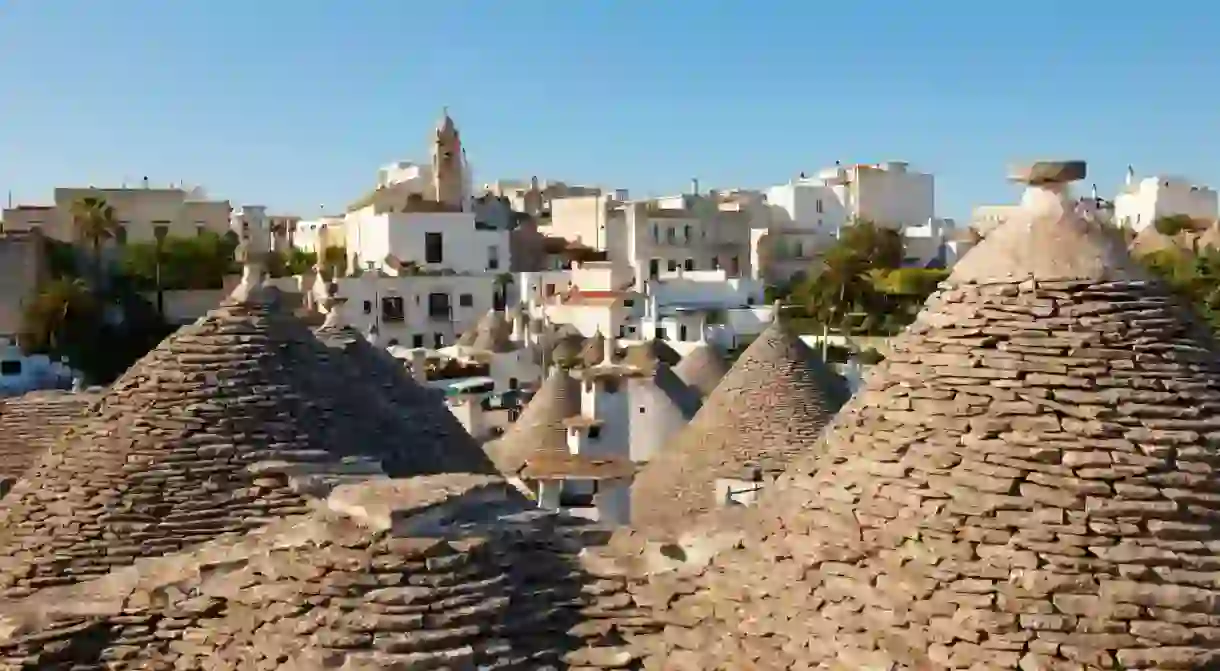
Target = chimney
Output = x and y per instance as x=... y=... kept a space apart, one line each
x=1047 y=185
x=419 y=365
x=608 y=350
x=145 y=181
x=694 y=186
x=519 y=324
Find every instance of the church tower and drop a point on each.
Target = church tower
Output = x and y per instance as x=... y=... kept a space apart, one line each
x=448 y=180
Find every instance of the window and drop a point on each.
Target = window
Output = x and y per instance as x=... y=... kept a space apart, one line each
x=393 y=342
x=672 y=265
x=595 y=432
x=734 y=266
x=120 y=235
x=654 y=268
x=686 y=233
x=715 y=263
x=641 y=409
x=160 y=229
x=392 y=309
x=656 y=233
x=438 y=340
x=493 y=257
x=622 y=331
x=689 y=264
x=819 y=206
x=417 y=340
x=434 y=247
x=671 y=235
x=438 y=306
x=659 y=333
x=368 y=307
x=628 y=302
x=200 y=229
x=466 y=300
x=550 y=290
x=513 y=383
x=798 y=249
x=10 y=367
x=682 y=333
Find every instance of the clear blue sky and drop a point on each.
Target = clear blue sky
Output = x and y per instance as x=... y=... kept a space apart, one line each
x=296 y=104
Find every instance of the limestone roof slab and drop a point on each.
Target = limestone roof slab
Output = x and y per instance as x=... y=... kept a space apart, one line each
x=229 y=423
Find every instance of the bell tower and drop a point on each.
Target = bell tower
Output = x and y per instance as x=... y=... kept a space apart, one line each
x=448 y=180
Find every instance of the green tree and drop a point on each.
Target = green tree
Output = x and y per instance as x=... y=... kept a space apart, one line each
x=335 y=258
x=61 y=317
x=95 y=222
x=1173 y=224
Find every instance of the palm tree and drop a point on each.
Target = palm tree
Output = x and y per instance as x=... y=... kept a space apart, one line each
x=95 y=222
x=58 y=304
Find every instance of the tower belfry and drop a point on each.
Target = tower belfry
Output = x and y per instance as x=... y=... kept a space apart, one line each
x=448 y=179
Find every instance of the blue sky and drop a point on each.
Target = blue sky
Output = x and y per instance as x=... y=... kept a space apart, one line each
x=296 y=104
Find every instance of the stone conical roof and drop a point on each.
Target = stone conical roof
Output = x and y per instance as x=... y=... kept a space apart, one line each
x=594 y=350
x=220 y=428
x=770 y=408
x=492 y=333
x=702 y=369
x=1027 y=481
x=440 y=572
x=31 y=423
x=650 y=353
x=540 y=428
x=439 y=442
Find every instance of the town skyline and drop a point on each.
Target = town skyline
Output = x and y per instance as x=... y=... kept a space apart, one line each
x=299 y=127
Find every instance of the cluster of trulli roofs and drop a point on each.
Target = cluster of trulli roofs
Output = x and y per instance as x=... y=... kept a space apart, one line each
x=1027 y=482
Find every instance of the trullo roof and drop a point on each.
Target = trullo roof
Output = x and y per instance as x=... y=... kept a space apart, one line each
x=31 y=423
x=220 y=428
x=702 y=369
x=769 y=409
x=540 y=428
x=1027 y=481
x=435 y=572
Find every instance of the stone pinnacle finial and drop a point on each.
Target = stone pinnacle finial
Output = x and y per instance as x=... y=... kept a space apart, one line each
x=253 y=262
x=1049 y=172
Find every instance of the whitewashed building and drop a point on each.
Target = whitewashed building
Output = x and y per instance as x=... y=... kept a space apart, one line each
x=415 y=311
x=807 y=214
x=1141 y=202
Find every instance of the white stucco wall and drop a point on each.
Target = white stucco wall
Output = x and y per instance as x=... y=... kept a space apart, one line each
x=364 y=306
x=373 y=236
x=1140 y=204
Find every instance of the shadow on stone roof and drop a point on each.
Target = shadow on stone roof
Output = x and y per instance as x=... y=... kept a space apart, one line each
x=433 y=572
x=439 y=442
x=31 y=423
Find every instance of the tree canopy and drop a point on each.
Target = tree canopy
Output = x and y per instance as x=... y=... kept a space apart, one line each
x=859 y=284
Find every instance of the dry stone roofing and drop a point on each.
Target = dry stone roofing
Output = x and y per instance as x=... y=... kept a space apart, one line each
x=30 y=423
x=492 y=333
x=650 y=353
x=770 y=408
x=220 y=428
x=702 y=369
x=439 y=443
x=1027 y=481
x=437 y=572
x=540 y=428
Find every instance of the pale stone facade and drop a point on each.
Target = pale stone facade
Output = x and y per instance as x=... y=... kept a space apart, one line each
x=141 y=212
